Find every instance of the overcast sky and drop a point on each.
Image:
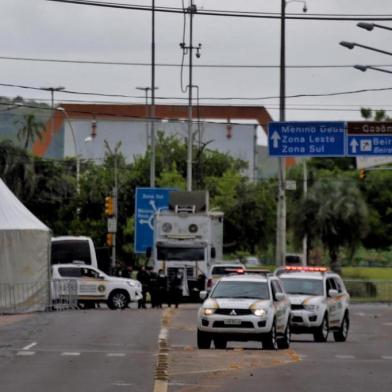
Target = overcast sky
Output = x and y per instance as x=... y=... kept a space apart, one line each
x=50 y=30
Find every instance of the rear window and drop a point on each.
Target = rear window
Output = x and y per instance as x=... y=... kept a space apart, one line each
x=221 y=270
x=68 y=251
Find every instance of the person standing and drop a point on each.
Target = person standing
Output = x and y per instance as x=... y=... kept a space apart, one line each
x=162 y=288
x=144 y=278
x=175 y=289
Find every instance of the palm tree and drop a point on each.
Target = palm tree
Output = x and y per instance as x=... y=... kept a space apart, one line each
x=335 y=213
x=29 y=129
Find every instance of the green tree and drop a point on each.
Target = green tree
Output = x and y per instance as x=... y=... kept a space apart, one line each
x=29 y=129
x=335 y=213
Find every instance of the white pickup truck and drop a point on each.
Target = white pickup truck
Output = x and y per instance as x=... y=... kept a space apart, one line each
x=93 y=286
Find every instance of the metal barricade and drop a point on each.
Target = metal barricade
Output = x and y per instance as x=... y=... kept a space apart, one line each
x=362 y=290
x=38 y=296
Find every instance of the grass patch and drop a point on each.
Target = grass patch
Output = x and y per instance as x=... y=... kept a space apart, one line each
x=370 y=273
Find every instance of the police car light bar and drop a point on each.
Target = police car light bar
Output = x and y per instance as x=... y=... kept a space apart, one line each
x=305 y=268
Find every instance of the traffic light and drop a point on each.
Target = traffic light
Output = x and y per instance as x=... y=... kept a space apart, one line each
x=109 y=239
x=362 y=174
x=109 y=206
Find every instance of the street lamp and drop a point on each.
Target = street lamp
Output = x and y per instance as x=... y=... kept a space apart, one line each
x=364 y=68
x=281 y=206
x=371 y=26
x=75 y=147
x=351 y=45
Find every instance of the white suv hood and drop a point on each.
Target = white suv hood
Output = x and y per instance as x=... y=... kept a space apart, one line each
x=303 y=299
x=237 y=303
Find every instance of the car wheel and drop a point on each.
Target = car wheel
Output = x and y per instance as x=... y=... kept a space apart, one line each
x=270 y=342
x=220 y=343
x=321 y=334
x=284 y=341
x=341 y=334
x=203 y=340
x=118 y=300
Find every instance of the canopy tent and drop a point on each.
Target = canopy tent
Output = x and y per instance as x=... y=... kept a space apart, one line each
x=24 y=256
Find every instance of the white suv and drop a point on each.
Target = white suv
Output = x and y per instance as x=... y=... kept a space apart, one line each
x=245 y=308
x=93 y=285
x=319 y=302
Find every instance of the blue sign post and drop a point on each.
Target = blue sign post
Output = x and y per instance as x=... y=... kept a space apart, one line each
x=287 y=139
x=148 y=201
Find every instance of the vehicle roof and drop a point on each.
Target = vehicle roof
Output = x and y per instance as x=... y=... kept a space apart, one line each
x=244 y=278
x=302 y=275
x=70 y=238
x=234 y=265
x=73 y=265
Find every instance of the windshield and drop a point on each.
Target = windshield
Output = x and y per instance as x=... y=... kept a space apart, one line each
x=180 y=254
x=303 y=286
x=253 y=290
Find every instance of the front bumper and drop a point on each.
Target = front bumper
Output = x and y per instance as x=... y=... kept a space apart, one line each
x=301 y=320
x=234 y=325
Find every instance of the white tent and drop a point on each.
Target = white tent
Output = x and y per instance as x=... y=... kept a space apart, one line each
x=24 y=256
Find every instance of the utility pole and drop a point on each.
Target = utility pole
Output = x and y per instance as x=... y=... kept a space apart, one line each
x=152 y=111
x=52 y=90
x=189 y=49
x=281 y=213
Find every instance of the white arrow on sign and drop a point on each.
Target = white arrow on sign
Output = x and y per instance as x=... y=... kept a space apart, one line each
x=354 y=144
x=275 y=138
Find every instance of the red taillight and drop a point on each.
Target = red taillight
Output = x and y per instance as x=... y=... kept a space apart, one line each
x=209 y=283
x=240 y=271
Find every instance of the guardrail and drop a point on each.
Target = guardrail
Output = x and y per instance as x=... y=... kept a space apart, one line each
x=362 y=290
x=38 y=296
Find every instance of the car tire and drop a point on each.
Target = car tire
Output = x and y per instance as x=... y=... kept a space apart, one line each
x=203 y=340
x=284 y=341
x=220 y=343
x=341 y=334
x=321 y=334
x=118 y=299
x=270 y=341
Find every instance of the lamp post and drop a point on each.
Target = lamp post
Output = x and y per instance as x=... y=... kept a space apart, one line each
x=281 y=205
x=75 y=147
x=152 y=112
x=371 y=26
x=364 y=68
x=352 y=45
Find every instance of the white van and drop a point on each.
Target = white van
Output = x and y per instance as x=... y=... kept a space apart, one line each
x=68 y=249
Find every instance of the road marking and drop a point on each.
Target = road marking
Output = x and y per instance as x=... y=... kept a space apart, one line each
x=122 y=384
x=70 y=354
x=29 y=346
x=344 y=356
x=361 y=314
x=25 y=353
x=115 y=354
x=386 y=357
x=387 y=324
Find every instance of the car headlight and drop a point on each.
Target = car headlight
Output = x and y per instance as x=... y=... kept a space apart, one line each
x=312 y=308
x=259 y=312
x=208 y=311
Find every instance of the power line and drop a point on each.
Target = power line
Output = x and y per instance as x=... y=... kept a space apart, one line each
x=236 y=14
x=169 y=65
x=302 y=95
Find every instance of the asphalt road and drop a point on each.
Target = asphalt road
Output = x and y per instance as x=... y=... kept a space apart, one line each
x=102 y=350
x=93 y=350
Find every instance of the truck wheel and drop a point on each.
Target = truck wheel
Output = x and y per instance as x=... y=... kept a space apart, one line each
x=118 y=300
x=341 y=334
x=203 y=340
x=321 y=334
x=284 y=341
x=270 y=342
x=220 y=343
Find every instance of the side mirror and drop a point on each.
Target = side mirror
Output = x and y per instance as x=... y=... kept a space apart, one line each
x=213 y=253
x=332 y=293
x=148 y=252
x=203 y=295
x=280 y=296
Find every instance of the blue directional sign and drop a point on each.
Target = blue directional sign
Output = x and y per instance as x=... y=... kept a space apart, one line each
x=367 y=138
x=147 y=202
x=311 y=138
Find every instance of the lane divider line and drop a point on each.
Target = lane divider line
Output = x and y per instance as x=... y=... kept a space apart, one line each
x=344 y=356
x=25 y=353
x=29 y=346
x=70 y=354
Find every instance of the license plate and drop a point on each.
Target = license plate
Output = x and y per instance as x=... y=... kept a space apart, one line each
x=232 y=322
